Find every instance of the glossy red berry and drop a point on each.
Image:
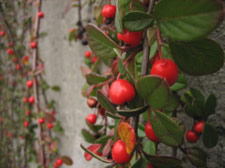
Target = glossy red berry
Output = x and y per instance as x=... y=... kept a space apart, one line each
x=119 y=153
x=109 y=11
x=59 y=161
x=94 y=59
x=50 y=125
x=10 y=51
x=91 y=102
x=88 y=54
x=25 y=59
x=40 y=15
x=166 y=69
x=31 y=99
x=26 y=124
x=28 y=112
x=29 y=84
x=121 y=91
x=15 y=60
x=191 y=136
x=91 y=118
x=199 y=126
x=41 y=120
x=150 y=133
x=2 y=33
x=18 y=67
x=149 y=166
x=33 y=44
x=25 y=99
x=131 y=38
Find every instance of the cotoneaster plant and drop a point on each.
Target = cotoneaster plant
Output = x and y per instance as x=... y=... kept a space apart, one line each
x=137 y=87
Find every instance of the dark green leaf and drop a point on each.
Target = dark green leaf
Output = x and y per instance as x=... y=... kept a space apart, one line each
x=105 y=102
x=100 y=44
x=197 y=95
x=196 y=156
x=96 y=156
x=102 y=140
x=149 y=147
x=140 y=163
x=154 y=90
x=209 y=136
x=172 y=104
x=94 y=79
x=167 y=131
x=133 y=112
x=56 y=88
x=137 y=21
x=87 y=136
x=180 y=83
x=200 y=57
x=210 y=106
x=188 y=20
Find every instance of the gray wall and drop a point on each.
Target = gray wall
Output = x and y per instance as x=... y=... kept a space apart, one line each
x=62 y=63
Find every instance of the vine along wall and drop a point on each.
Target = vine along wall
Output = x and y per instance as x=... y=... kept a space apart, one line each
x=62 y=63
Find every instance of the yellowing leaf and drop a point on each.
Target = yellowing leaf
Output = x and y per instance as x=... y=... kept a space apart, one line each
x=127 y=135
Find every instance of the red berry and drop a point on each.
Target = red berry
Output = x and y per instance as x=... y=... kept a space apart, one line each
x=166 y=69
x=26 y=123
x=50 y=125
x=121 y=91
x=25 y=58
x=55 y=165
x=25 y=99
x=31 y=99
x=191 y=136
x=29 y=83
x=149 y=165
x=15 y=60
x=18 y=67
x=91 y=102
x=150 y=133
x=119 y=153
x=11 y=44
x=33 y=44
x=10 y=51
x=2 y=33
x=91 y=118
x=41 y=120
x=131 y=38
x=94 y=59
x=59 y=161
x=88 y=54
x=28 y=112
x=40 y=15
x=109 y=11
x=199 y=126
x=53 y=112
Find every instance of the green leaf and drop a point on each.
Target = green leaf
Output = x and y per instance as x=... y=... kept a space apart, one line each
x=172 y=104
x=137 y=21
x=88 y=137
x=166 y=130
x=94 y=128
x=197 y=95
x=67 y=160
x=196 y=156
x=95 y=155
x=209 y=136
x=102 y=139
x=140 y=163
x=94 y=79
x=149 y=147
x=163 y=161
x=100 y=44
x=154 y=90
x=188 y=19
x=105 y=102
x=180 y=83
x=133 y=112
x=56 y=88
x=210 y=106
x=200 y=57
x=141 y=130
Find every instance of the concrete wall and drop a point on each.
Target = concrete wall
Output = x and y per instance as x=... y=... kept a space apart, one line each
x=62 y=63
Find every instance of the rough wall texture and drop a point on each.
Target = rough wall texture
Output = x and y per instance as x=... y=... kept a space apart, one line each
x=62 y=62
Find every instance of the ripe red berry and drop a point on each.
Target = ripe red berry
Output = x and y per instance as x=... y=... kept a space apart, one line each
x=40 y=15
x=50 y=125
x=29 y=84
x=166 y=69
x=91 y=118
x=53 y=112
x=2 y=33
x=191 y=136
x=131 y=38
x=150 y=133
x=119 y=153
x=10 y=51
x=55 y=165
x=25 y=99
x=18 y=67
x=59 y=161
x=28 y=112
x=33 y=44
x=31 y=99
x=25 y=59
x=41 y=120
x=94 y=59
x=91 y=102
x=11 y=44
x=149 y=165
x=109 y=11
x=88 y=54
x=15 y=60
x=121 y=91
x=26 y=123
x=199 y=126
